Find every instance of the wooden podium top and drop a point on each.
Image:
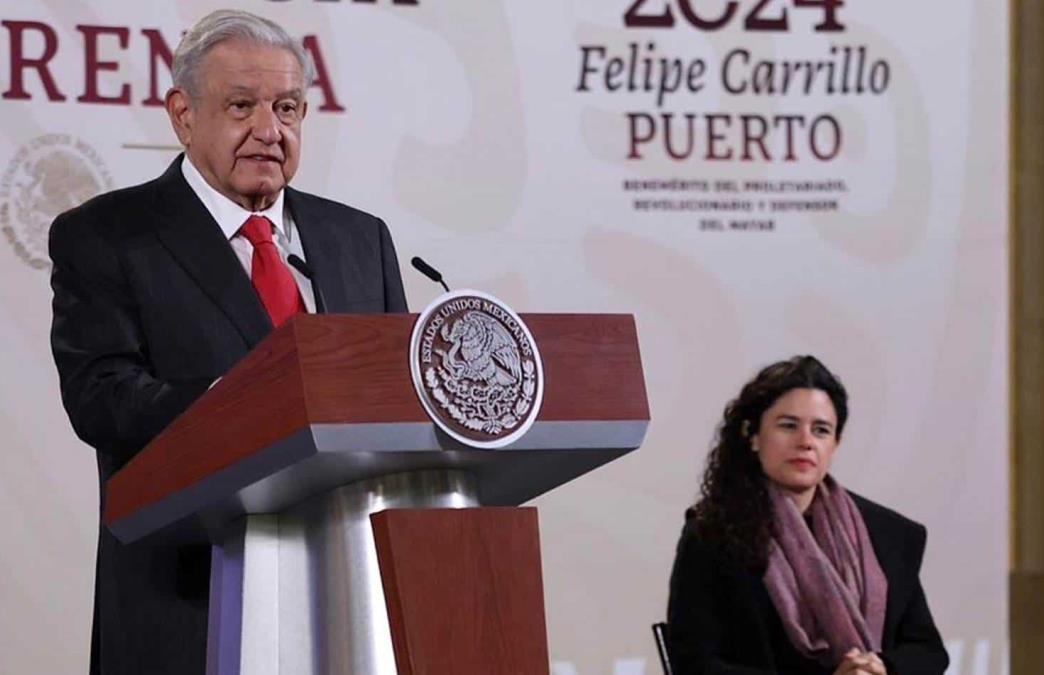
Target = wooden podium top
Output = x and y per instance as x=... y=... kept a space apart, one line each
x=327 y=400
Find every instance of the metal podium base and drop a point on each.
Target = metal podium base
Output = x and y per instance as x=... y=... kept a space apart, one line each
x=300 y=593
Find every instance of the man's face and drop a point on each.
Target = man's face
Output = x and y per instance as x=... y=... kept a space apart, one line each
x=243 y=129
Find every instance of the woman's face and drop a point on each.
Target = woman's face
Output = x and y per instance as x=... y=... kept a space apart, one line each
x=796 y=441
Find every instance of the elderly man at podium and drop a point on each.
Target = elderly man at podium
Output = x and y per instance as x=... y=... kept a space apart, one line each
x=159 y=289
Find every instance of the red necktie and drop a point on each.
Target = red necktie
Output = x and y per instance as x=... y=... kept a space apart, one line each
x=271 y=277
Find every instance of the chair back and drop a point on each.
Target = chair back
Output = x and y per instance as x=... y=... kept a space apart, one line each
x=659 y=630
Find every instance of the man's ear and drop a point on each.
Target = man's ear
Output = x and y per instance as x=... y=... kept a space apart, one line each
x=179 y=110
x=304 y=109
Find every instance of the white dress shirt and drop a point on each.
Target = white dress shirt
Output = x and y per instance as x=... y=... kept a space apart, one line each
x=230 y=216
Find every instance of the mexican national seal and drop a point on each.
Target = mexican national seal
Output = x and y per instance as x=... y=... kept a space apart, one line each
x=48 y=175
x=476 y=369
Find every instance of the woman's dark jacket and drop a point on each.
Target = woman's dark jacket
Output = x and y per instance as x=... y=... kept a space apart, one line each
x=721 y=619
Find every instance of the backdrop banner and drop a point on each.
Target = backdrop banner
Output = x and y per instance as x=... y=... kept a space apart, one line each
x=750 y=178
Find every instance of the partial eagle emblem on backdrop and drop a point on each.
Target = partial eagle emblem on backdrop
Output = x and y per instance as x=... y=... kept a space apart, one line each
x=476 y=369
x=47 y=176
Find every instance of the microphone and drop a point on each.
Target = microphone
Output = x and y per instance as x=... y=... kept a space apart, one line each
x=302 y=267
x=428 y=271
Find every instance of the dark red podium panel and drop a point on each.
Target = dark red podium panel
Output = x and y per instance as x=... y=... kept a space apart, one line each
x=464 y=590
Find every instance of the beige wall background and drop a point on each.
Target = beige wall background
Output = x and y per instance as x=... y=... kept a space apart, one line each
x=464 y=129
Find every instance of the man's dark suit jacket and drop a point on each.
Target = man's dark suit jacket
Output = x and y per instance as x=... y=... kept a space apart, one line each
x=151 y=305
x=722 y=621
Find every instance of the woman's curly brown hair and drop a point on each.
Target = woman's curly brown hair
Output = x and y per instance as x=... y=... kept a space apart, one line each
x=733 y=510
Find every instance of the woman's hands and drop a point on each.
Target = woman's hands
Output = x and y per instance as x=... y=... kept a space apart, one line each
x=861 y=663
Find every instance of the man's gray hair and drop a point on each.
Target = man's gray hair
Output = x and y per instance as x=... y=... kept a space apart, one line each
x=231 y=24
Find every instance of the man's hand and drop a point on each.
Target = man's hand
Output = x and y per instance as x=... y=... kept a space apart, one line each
x=861 y=663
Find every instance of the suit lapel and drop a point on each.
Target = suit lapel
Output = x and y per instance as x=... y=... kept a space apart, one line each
x=188 y=231
x=327 y=250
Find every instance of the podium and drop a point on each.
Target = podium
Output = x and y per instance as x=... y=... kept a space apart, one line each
x=316 y=441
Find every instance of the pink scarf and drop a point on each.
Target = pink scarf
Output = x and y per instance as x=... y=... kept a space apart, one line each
x=826 y=584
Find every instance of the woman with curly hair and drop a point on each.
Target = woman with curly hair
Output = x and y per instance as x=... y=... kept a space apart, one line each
x=779 y=569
